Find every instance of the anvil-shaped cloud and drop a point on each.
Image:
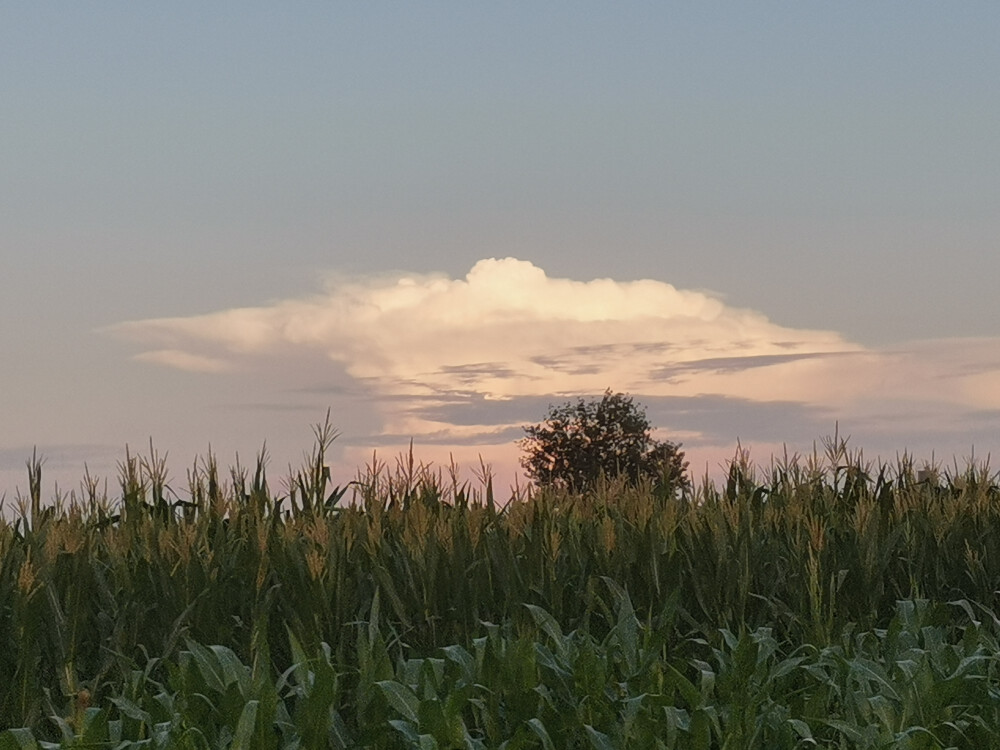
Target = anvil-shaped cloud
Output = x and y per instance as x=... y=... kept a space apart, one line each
x=427 y=347
x=504 y=330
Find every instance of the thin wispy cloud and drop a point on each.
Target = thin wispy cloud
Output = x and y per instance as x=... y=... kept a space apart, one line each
x=468 y=360
x=183 y=360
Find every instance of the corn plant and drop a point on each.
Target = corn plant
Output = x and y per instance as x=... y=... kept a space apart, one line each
x=778 y=563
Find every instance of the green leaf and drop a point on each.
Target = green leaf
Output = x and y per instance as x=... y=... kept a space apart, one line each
x=339 y=736
x=234 y=671
x=701 y=731
x=874 y=672
x=465 y=661
x=131 y=710
x=65 y=729
x=691 y=694
x=707 y=674
x=18 y=739
x=300 y=662
x=244 y=735
x=406 y=728
x=208 y=665
x=536 y=726
x=402 y=699
x=627 y=626
x=95 y=726
x=852 y=732
x=549 y=626
x=373 y=632
x=599 y=740
x=802 y=730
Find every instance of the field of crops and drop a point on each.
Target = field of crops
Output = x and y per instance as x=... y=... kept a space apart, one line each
x=821 y=601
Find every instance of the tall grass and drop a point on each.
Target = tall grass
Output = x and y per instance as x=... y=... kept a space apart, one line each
x=95 y=588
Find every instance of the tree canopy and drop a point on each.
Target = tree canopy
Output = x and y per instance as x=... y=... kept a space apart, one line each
x=577 y=443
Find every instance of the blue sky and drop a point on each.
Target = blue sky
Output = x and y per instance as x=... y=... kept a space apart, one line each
x=826 y=175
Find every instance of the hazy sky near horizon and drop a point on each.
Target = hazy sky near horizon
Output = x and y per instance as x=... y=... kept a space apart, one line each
x=436 y=219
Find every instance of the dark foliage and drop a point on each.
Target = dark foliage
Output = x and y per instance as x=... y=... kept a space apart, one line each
x=580 y=442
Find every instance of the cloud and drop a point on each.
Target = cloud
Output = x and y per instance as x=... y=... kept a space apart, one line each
x=506 y=329
x=469 y=360
x=182 y=360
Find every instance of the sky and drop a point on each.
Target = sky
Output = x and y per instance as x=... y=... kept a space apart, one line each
x=764 y=221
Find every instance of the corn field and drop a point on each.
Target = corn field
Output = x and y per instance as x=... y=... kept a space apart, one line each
x=821 y=601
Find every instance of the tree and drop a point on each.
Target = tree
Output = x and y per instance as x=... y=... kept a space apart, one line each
x=577 y=443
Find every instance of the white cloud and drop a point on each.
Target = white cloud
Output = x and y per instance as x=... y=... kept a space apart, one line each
x=508 y=332
x=506 y=329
